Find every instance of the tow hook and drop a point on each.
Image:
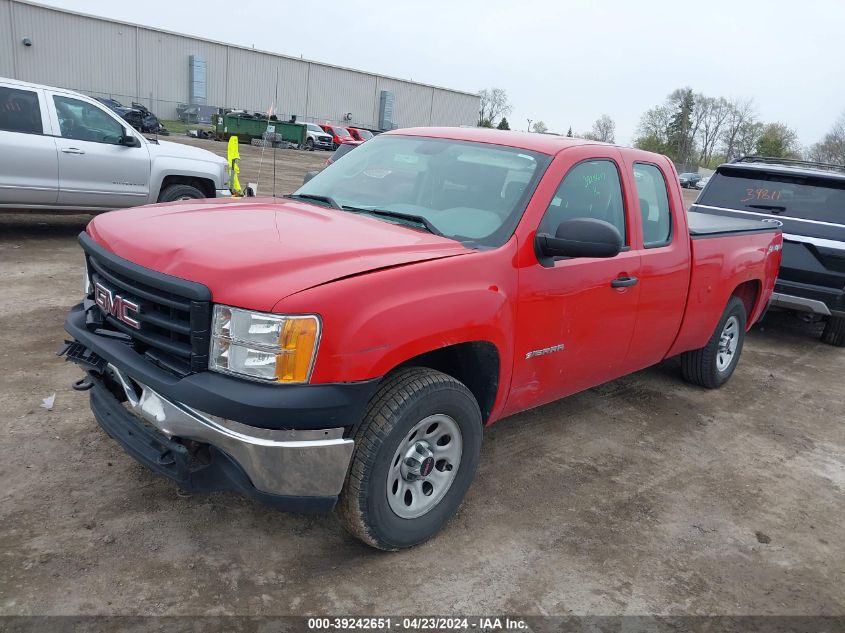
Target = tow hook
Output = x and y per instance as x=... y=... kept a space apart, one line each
x=83 y=384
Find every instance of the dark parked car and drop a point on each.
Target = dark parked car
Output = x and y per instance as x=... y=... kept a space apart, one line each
x=809 y=199
x=689 y=179
x=342 y=149
x=138 y=116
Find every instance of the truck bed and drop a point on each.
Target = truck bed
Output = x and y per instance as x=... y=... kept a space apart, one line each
x=728 y=256
x=706 y=225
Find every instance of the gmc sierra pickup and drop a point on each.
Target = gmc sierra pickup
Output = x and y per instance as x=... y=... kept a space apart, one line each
x=346 y=345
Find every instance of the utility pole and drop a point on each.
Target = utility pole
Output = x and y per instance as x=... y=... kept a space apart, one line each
x=529 y=125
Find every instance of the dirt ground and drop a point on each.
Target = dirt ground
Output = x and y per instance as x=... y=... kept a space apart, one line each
x=642 y=496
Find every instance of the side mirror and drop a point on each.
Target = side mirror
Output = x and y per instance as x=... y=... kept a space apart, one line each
x=309 y=175
x=129 y=140
x=581 y=237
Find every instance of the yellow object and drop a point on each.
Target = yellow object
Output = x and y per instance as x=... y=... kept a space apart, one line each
x=297 y=341
x=233 y=158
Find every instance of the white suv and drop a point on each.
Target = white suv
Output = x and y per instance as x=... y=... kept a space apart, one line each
x=64 y=151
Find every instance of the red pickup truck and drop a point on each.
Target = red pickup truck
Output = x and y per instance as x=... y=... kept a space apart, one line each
x=346 y=345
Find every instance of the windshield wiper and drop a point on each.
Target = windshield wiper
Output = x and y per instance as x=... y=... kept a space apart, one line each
x=774 y=208
x=312 y=196
x=416 y=219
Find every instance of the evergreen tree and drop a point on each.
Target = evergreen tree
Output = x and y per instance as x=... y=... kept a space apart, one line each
x=569 y=133
x=679 y=130
x=503 y=124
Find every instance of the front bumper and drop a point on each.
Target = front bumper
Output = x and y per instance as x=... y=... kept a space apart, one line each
x=287 y=445
x=288 y=469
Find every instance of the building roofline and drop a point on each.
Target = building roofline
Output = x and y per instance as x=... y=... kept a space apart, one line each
x=238 y=46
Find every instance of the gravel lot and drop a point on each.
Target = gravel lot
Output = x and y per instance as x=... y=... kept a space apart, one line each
x=641 y=496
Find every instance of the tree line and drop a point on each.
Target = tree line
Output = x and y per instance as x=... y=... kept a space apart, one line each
x=693 y=129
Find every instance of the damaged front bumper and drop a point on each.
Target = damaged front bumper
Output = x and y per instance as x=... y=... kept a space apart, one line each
x=277 y=451
x=292 y=470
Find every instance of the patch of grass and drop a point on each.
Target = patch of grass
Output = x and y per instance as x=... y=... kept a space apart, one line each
x=178 y=127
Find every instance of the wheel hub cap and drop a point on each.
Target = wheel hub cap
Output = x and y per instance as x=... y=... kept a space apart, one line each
x=728 y=342
x=424 y=465
x=418 y=462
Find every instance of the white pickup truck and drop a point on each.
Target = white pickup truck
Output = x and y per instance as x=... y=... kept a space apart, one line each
x=60 y=150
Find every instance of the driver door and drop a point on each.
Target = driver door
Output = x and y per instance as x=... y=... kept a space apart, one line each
x=576 y=315
x=95 y=170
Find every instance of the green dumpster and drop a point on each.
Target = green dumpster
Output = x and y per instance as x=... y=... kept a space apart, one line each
x=247 y=127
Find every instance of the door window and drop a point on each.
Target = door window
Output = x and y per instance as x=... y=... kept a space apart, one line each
x=82 y=121
x=19 y=111
x=591 y=189
x=654 y=205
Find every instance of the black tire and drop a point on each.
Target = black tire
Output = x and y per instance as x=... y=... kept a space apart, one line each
x=309 y=144
x=180 y=192
x=834 y=331
x=701 y=367
x=404 y=398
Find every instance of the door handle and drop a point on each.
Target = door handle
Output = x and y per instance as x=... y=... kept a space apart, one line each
x=72 y=150
x=624 y=282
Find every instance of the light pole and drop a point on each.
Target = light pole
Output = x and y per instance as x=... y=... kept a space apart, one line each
x=529 y=125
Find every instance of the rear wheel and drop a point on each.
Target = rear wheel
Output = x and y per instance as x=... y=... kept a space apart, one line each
x=712 y=365
x=172 y=193
x=415 y=455
x=834 y=331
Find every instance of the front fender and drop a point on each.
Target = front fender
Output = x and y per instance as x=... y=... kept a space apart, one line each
x=376 y=321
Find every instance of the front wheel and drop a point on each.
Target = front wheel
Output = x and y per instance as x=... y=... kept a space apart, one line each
x=172 y=193
x=415 y=455
x=712 y=365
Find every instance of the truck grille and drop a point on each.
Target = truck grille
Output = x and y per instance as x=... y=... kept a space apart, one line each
x=173 y=315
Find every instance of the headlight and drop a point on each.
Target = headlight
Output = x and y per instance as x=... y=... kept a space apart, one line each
x=272 y=347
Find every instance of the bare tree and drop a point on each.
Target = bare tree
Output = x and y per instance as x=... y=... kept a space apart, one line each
x=604 y=129
x=714 y=112
x=831 y=149
x=741 y=116
x=539 y=127
x=494 y=104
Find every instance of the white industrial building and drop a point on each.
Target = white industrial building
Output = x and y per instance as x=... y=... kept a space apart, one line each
x=161 y=69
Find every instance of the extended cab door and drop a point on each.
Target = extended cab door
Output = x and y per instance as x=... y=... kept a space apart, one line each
x=95 y=169
x=662 y=242
x=29 y=170
x=576 y=316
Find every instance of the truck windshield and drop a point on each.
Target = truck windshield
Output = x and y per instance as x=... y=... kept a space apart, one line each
x=797 y=196
x=471 y=192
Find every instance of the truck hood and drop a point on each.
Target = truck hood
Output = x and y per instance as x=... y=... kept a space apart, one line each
x=167 y=149
x=253 y=254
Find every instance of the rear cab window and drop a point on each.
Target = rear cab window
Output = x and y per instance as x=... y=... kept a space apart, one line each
x=800 y=196
x=654 y=205
x=20 y=111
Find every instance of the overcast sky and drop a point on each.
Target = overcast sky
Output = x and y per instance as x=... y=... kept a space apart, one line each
x=562 y=62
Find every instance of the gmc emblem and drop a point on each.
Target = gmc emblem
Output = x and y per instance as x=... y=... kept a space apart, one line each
x=115 y=305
